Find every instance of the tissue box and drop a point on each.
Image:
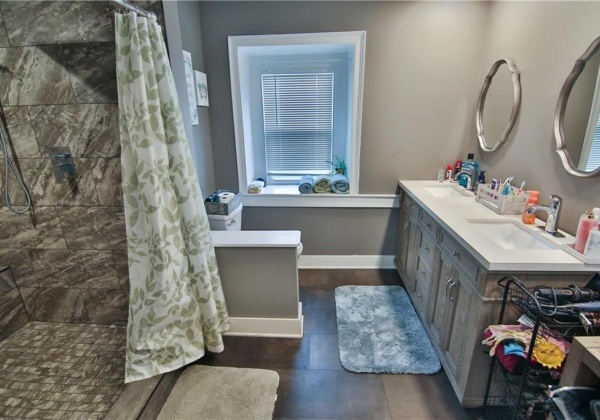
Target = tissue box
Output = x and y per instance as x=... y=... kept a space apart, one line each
x=223 y=208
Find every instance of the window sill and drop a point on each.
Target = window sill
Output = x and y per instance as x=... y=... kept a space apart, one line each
x=289 y=196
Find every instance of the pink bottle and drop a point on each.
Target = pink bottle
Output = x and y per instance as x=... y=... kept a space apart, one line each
x=587 y=222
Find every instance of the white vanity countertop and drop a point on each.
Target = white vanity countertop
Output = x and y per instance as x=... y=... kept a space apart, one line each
x=454 y=213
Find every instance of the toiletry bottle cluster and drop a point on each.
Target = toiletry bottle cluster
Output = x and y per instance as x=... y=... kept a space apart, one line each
x=587 y=238
x=470 y=165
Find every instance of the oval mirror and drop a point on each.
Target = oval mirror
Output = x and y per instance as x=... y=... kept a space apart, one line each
x=576 y=121
x=498 y=105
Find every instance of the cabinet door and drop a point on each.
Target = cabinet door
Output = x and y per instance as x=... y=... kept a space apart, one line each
x=405 y=247
x=459 y=295
x=442 y=304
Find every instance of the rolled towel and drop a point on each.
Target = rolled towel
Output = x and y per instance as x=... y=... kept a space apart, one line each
x=322 y=184
x=307 y=184
x=340 y=184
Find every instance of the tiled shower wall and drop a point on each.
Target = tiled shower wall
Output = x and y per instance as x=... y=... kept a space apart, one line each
x=58 y=88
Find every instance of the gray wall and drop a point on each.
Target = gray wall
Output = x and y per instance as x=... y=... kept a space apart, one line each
x=183 y=33
x=544 y=39
x=340 y=231
x=425 y=64
x=421 y=63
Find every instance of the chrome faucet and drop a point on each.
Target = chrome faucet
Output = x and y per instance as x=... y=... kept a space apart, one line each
x=553 y=214
x=471 y=174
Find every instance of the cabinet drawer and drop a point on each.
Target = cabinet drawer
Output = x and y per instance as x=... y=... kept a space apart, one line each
x=460 y=256
x=422 y=293
x=409 y=203
x=428 y=224
x=427 y=246
x=424 y=271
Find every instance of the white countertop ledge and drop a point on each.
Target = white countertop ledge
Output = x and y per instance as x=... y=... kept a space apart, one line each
x=454 y=213
x=256 y=238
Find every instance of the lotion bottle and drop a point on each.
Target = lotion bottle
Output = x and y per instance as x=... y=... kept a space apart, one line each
x=529 y=219
x=587 y=222
x=592 y=245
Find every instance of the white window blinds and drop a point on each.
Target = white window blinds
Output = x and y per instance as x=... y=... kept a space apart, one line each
x=298 y=122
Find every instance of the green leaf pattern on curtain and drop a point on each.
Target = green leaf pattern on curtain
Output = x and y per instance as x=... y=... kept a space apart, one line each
x=176 y=307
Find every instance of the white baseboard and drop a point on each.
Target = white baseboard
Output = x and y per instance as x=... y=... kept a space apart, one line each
x=268 y=327
x=346 y=261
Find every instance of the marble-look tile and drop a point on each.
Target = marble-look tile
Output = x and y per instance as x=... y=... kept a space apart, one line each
x=3 y=35
x=20 y=264
x=122 y=266
x=107 y=177
x=93 y=227
x=57 y=22
x=92 y=71
x=40 y=229
x=75 y=269
x=46 y=191
x=54 y=304
x=7 y=280
x=12 y=313
x=21 y=134
x=106 y=306
x=34 y=76
x=90 y=130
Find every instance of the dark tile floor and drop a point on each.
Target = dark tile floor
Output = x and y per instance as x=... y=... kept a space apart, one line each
x=313 y=384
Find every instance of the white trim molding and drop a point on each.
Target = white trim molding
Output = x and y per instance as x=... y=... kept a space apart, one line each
x=386 y=201
x=267 y=327
x=347 y=261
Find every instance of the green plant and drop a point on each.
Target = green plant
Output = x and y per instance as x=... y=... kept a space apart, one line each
x=339 y=166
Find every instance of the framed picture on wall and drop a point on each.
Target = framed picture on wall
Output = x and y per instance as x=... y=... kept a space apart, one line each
x=189 y=81
x=201 y=89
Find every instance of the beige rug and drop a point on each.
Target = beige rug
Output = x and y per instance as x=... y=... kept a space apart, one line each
x=206 y=392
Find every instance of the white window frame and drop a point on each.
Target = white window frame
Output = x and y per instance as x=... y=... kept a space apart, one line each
x=242 y=128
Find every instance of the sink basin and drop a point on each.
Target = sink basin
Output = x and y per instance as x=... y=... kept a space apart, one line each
x=447 y=190
x=510 y=235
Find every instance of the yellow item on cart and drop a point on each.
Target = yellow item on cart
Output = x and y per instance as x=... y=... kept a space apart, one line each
x=548 y=354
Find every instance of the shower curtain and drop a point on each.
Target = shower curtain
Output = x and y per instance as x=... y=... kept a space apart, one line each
x=176 y=302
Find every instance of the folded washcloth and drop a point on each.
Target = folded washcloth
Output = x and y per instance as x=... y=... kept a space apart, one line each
x=322 y=184
x=307 y=184
x=340 y=184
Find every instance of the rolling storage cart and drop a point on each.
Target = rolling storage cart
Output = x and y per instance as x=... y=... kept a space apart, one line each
x=522 y=393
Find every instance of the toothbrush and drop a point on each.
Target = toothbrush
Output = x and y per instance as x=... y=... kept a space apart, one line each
x=521 y=188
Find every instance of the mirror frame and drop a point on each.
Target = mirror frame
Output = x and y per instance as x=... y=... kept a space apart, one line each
x=515 y=108
x=559 y=115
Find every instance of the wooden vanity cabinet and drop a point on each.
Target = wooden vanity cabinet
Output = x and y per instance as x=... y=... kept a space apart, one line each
x=455 y=297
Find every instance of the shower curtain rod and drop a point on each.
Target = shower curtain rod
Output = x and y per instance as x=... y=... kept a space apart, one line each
x=138 y=10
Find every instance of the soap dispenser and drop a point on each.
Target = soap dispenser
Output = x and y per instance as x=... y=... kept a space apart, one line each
x=529 y=219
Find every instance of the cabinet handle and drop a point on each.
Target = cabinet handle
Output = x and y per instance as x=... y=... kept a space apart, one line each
x=455 y=254
x=426 y=249
x=450 y=295
x=423 y=274
x=428 y=225
x=447 y=284
x=406 y=225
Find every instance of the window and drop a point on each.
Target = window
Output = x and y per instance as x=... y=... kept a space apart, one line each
x=298 y=123
x=297 y=104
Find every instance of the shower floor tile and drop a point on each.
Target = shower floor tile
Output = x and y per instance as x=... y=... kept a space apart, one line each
x=50 y=370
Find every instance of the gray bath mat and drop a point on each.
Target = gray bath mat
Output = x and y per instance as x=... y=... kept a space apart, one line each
x=206 y=392
x=380 y=332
